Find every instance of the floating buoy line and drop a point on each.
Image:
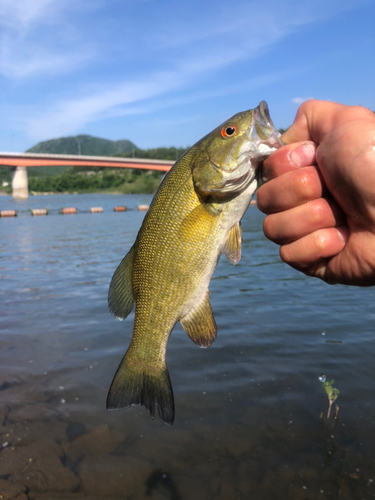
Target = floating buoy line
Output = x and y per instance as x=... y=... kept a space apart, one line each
x=66 y=211
x=73 y=210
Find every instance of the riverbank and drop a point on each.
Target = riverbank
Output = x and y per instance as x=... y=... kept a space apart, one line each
x=123 y=181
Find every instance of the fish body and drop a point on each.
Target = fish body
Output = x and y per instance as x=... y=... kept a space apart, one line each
x=194 y=218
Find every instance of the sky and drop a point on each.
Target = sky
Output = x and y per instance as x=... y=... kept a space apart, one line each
x=166 y=72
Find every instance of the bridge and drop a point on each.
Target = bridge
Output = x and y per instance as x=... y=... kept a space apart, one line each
x=20 y=161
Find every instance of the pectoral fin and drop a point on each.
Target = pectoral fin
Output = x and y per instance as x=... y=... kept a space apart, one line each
x=232 y=244
x=120 y=294
x=200 y=323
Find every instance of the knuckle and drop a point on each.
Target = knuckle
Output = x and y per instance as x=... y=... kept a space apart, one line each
x=321 y=241
x=261 y=199
x=316 y=212
x=307 y=183
x=274 y=229
x=268 y=227
x=362 y=112
x=307 y=105
x=285 y=254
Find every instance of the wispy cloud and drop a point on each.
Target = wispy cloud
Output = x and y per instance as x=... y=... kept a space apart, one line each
x=33 y=61
x=226 y=42
x=22 y=15
x=132 y=98
x=159 y=64
x=25 y=42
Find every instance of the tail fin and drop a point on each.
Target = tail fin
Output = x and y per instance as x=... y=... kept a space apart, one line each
x=134 y=385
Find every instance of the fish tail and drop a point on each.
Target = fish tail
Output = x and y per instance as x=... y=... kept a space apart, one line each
x=134 y=384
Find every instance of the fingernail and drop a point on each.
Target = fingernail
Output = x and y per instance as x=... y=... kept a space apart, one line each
x=303 y=155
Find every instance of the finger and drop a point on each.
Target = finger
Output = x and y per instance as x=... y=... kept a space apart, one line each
x=315 y=119
x=290 y=190
x=289 y=157
x=307 y=253
x=291 y=225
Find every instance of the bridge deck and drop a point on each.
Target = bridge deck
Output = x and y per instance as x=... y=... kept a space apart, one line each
x=52 y=160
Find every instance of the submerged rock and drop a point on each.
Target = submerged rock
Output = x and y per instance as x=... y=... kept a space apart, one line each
x=12 y=491
x=99 y=442
x=38 y=467
x=114 y=476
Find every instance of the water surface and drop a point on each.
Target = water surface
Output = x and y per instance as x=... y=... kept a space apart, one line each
x=250 y=411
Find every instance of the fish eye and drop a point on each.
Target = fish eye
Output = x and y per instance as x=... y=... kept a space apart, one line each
x=228 y=130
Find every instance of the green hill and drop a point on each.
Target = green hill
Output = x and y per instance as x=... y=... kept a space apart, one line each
x=84 y=145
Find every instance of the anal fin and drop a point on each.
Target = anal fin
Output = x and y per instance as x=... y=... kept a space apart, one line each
x=200 y=323
x=232 y=244
x=120 y=294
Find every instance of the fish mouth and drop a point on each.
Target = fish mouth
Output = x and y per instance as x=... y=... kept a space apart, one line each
x=236 y=173
x=264 y=140
x=263 y=130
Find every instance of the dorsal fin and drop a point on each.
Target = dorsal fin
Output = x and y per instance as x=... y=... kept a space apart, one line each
x=200 y=323
x=232 y=244
x=120 y=294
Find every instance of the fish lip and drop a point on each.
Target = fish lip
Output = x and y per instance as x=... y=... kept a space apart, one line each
x=263 y=125
x=264 y=113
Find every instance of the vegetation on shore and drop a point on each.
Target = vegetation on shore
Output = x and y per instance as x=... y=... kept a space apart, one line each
x=114 y=180
x=126 y=181
x=85 y=180
x=171 y=154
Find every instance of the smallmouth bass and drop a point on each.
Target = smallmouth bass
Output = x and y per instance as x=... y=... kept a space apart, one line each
x=193 y=219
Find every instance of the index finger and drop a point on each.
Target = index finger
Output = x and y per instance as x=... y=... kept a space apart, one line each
x=315 y=119
x=287 y=158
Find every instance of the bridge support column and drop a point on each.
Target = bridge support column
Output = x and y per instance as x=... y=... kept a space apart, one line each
x=20 y=187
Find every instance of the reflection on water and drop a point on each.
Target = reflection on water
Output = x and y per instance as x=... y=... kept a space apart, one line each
x=248 y=410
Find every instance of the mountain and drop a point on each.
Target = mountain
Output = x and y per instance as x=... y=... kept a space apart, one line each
x=84 y=145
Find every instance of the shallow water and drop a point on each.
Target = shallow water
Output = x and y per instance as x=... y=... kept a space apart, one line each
x=250 y=411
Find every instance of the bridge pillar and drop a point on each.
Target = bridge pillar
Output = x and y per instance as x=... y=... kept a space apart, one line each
x=20 y=187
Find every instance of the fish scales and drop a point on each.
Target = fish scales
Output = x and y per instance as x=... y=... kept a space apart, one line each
x=193 y=218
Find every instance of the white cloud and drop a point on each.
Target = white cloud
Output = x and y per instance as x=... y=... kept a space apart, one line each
x=133 y=98
x=25 y=46
x=34 y=61
x=214 y=42
x=70 y=115
x=21 y=15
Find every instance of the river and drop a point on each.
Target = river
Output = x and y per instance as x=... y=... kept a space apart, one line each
x=251 y=411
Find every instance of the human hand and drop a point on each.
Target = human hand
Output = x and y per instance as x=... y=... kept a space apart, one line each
x=319 y=193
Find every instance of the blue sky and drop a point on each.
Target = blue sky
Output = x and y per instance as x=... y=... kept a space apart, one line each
x=164 y=73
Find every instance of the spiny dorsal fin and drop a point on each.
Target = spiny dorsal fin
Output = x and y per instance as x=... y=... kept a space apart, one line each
x=120 y=294
x=200 y=323
x=232 y=244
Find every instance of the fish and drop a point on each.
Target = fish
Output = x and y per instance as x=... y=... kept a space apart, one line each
x=193 y=218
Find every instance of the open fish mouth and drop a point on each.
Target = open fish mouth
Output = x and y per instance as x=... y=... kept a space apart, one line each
x=234 y=171
x=264 y=140
x=264 y=131
x=262 y=116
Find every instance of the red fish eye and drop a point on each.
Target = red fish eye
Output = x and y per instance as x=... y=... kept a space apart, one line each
x=228 y=130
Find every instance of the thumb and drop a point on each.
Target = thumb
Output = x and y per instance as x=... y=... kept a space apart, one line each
x=313 y=120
